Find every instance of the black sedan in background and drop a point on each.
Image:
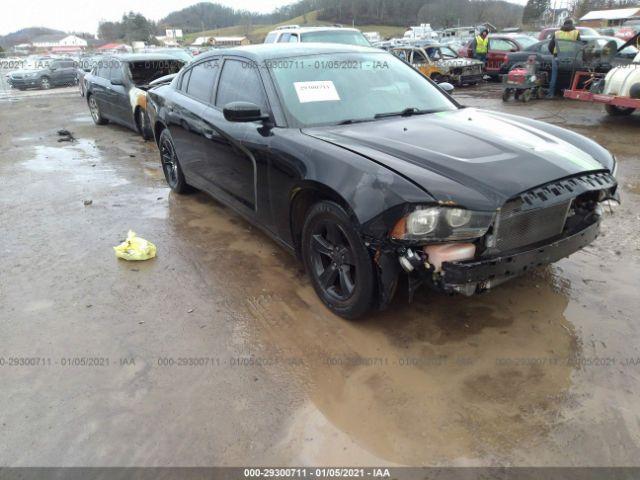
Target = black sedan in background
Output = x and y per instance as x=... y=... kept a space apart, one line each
x=365 y=169
x=116 y=88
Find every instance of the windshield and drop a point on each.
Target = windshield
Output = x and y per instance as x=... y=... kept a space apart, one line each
x=448 y=52
x=178 y=53
x=332 y=89
x=587 y=31
x=348 y=37
x=630 y=51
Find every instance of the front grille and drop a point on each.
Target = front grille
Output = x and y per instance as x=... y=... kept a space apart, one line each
x=472 y=70
x=516 y=227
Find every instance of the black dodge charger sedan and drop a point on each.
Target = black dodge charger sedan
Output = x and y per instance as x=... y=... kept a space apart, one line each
x=366 y=169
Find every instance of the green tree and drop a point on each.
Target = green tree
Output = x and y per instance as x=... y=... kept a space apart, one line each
x=534 y=11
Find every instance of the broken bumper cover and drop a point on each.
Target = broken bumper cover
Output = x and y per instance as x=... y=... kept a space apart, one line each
x=474 y=276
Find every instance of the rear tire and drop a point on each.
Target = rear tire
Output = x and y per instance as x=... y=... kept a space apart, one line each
x=171 y=165
x=144 y=124
x=614 y=111
x=337 y=261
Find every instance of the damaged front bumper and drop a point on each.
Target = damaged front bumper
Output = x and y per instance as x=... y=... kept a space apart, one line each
x=469 y=277
x=474 y=276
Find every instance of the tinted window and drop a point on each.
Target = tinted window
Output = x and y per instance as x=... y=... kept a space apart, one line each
x=239 y=82
x=201 y=80
x=293 y=38
x=69 y=64
x=284 y=37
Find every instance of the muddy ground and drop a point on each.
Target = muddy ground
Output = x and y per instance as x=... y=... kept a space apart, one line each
x=544 y=370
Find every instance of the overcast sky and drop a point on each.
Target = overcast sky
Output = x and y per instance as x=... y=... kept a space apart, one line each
x=78 y=15
x=84 y=16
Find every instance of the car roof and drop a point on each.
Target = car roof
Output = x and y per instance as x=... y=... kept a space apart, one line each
x=298 y=29
x=141 y=57
x=266 y=51
x=420 y=47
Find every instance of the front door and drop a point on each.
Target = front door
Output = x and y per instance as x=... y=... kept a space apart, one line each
x=231 y=164
x=118 y=94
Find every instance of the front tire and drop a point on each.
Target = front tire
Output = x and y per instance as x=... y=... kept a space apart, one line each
x=338 y=262
x=614 y=111
x=171 y=165
x=98 y=119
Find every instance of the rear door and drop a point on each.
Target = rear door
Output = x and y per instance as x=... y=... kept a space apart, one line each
x=191 y=135
x=68 y=72
x=56 y=73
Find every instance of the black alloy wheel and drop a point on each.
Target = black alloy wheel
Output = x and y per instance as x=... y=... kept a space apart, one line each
x=171 y=165
x=337 y=261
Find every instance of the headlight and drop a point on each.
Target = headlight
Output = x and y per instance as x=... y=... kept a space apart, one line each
x=442 y=223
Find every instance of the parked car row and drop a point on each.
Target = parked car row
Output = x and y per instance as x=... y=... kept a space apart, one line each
x=499 y=48
x=606 y=53
x=45 y=72
x=52 y=74
x=371 y=172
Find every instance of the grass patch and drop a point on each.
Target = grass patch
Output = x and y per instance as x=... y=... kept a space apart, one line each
x=257 y=33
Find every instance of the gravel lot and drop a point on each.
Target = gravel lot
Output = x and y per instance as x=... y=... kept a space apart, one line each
x=217 y=352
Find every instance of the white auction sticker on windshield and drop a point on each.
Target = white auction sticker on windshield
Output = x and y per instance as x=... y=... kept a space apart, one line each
x=320 y=91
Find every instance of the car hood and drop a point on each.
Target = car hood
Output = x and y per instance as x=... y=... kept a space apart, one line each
x=474 y=158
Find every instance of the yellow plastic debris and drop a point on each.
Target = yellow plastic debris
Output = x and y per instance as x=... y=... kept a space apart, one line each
x=135 y=248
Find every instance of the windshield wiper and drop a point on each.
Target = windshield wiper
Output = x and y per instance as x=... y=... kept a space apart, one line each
x=349 y=121
x=407 y=112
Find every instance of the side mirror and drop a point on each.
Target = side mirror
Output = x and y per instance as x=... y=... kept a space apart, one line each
x=446 y=87
x=117 y=81
x=243 y=112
